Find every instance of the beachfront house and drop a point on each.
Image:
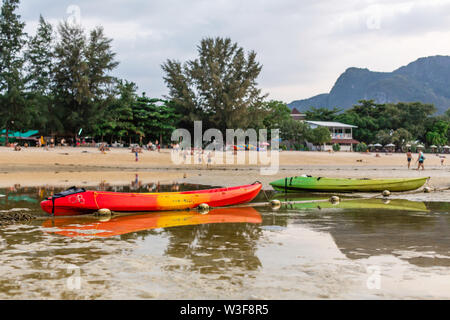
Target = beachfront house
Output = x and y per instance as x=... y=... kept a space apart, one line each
x=297 y=115
x=341 y=134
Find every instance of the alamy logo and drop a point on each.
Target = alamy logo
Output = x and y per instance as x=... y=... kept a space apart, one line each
x=229 y=152
x=374 y=280
x=74 y=281
x=74 y=13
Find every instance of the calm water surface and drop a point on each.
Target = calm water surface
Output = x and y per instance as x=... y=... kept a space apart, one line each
x=370 y=249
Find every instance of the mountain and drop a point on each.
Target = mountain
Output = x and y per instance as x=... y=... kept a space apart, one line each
x=426 y=80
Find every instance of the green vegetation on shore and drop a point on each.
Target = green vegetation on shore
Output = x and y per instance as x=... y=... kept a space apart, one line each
x=399 y=124
x=59 y=81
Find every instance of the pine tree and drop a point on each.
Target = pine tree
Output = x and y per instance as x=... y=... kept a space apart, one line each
x=12 y=83
x=100 y=59
x=71 y=86
x=83 y=86
x=39 y=57
x=218 y=87
x=39 y=68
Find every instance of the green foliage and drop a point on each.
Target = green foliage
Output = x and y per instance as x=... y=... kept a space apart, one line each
x=82 y=80
x=219 y=87
x=295 y=131
x=13 y=106
x=39 y=55
x=361 y=147
x=135 y=118
x=275 y=114
x=438 y=135
x=39 y=71
x=379 y=123
x=336 y=147
x=400 y=137
x=319 y=136
x=117 y=119
x=384 y=137
x=59 y=84
x=154 y=118
x=322 y=114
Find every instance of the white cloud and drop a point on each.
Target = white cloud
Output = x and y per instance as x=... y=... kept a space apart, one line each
x=303 y=45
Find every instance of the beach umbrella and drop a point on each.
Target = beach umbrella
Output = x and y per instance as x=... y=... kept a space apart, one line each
x=370 y=145
x=420 y=146
x=377 y=145
x=264 y=144
x=390 y=145
x=408 y=145
x=446 y=147
x=433 y=146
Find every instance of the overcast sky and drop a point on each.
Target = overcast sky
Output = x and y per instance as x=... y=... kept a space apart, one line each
x=303 y=45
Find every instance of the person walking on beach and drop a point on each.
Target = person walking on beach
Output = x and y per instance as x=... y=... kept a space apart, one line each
x=409 y=157
x=420 y=159
x=136 y=152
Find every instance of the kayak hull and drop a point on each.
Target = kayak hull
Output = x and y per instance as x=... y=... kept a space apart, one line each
x=296 y=184
x=90 y=201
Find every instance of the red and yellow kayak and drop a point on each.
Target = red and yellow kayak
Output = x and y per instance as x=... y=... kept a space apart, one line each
x=92 y=227
x=79 y=201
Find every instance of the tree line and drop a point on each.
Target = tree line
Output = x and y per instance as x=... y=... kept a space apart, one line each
x=59 y=81
x=397 y=123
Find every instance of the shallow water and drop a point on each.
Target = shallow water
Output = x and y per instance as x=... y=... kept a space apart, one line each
x=370 y=250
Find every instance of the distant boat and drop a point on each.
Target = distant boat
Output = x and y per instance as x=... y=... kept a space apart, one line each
x=89 y=226
x=295 y=184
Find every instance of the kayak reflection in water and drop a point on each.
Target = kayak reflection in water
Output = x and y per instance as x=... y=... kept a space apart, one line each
x=91 y=226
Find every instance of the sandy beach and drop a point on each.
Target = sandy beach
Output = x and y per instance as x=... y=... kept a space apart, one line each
x=66 y=166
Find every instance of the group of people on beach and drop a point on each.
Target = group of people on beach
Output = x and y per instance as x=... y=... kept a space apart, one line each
x=420 y=159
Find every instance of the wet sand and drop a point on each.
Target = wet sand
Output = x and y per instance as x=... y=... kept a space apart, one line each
x=89 y=167
x=292 y=254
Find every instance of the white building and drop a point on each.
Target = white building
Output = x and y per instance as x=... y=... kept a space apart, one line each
x=341 y=134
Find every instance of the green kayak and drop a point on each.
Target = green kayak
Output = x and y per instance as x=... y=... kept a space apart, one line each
x=295 y=184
